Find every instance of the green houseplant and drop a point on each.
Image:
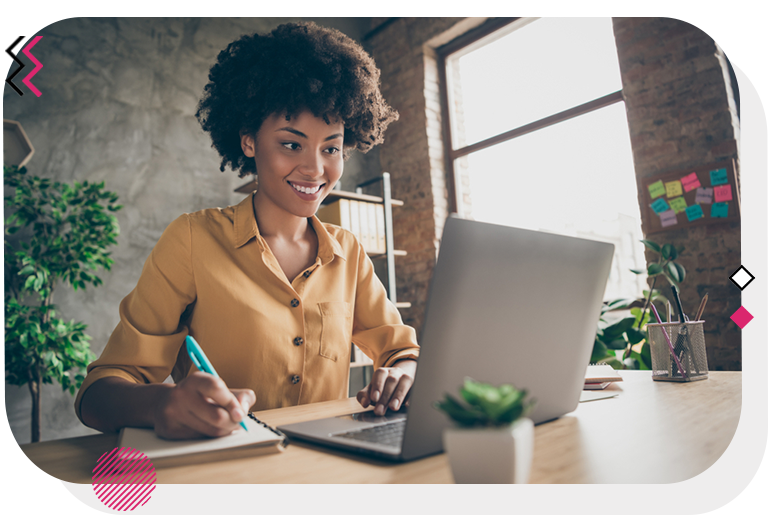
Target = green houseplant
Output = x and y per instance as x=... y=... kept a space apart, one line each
x=492 y=441
x=54 y=232
x=621 y=343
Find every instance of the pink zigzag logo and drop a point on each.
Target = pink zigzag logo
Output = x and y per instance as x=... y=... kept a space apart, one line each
x=38 y=66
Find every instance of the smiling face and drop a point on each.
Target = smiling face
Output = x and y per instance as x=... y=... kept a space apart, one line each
x=298 y=161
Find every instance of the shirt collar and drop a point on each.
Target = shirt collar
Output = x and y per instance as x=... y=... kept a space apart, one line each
x=247 y=229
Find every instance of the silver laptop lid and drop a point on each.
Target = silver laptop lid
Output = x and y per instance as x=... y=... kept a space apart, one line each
x=506 y=305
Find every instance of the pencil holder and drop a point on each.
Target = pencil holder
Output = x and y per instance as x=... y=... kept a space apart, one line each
x=678 y=352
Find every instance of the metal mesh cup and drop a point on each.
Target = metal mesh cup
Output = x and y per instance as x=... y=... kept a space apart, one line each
x=678 y=352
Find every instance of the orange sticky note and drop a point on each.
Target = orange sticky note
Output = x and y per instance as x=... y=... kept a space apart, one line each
x=723 y=193
x=674 y=188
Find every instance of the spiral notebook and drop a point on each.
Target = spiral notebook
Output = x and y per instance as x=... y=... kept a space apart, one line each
x=599 y=376
x=259 y=439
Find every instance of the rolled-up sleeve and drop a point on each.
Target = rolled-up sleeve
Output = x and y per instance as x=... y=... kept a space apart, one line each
x=144 y=346
x=378 y=328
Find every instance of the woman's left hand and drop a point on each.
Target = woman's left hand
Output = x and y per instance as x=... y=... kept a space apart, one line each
x=389 y=387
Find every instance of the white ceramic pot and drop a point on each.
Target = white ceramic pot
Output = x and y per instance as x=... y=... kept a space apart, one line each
x=490 y=455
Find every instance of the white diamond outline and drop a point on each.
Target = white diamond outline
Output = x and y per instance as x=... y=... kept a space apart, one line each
x=741 y=268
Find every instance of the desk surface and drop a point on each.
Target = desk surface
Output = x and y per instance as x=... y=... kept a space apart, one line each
x=653 y=432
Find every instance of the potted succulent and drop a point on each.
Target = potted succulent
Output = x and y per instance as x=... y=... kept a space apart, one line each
x=492 y=440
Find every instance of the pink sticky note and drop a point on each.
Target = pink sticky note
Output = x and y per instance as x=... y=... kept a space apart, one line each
x=723 y=193
x=690 y=182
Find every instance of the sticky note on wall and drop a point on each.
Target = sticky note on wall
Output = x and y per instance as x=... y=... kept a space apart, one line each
x=659 y=206
x=720 y=210
x=678 y=204
x=690 y=182
x=674 y=188
x=656 y=189
x=668 y=218
x=704 y=195
x=694 y=212
x=719 y=176
x=723 y=193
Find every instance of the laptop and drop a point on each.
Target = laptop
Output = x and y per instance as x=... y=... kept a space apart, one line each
x=506 y=305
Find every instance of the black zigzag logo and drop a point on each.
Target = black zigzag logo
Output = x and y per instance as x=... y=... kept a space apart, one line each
x=9 y=80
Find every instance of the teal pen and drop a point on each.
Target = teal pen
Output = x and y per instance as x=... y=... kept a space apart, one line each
x=200 y=360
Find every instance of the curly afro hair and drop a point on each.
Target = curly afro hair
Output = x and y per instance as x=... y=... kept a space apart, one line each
x=297 y=67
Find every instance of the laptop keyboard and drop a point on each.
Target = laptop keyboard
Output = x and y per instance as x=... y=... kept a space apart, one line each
x=390 y=434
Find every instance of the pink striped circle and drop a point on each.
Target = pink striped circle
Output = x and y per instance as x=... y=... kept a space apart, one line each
x=123 y=479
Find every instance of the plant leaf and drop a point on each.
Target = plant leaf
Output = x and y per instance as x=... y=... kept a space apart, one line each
x=654 y=269
x=665 y=250
x=673 y=272
x=457 y=412
x=619 y=304
x=652 y=245
x=645 y=355
x=680 y=271
x=634 y=336
x=619 y=327
x=672 y=253
x=599 y=351
x=616 y=343
x=613 y=362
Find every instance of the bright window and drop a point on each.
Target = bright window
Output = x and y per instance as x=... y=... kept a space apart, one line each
x=532 y=154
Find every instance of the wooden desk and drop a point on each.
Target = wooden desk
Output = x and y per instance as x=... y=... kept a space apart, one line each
x=653 y=432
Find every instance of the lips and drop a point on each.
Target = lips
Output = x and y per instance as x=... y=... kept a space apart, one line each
x=307 y=190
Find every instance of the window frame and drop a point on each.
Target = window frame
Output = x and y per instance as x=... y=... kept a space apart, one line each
x=486 y=33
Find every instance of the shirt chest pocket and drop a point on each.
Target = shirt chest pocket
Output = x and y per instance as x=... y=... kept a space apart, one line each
x=336 y=336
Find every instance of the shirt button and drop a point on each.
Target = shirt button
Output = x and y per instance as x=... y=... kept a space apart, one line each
x=294 y=303
x=298 y=341
x=307 y=273
x=295 y=379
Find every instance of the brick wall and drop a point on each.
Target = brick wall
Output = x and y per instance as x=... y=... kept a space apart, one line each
x=413 y=150
x=681 y=114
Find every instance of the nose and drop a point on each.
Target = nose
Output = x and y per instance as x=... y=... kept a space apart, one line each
x=312 y=165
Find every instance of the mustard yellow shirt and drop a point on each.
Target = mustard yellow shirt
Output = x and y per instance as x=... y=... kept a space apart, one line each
x=213 y=276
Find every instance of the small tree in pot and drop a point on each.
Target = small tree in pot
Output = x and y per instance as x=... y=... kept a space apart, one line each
x=62 y=233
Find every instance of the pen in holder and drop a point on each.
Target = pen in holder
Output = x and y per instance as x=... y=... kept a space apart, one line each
x=678 y=352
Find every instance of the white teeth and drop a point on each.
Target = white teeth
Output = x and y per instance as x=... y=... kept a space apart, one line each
x=308 y=191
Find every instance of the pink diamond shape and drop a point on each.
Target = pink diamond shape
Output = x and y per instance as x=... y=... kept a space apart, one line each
x=741 y=317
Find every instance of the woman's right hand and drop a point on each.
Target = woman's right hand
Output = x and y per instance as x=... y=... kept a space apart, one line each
x=200 y=405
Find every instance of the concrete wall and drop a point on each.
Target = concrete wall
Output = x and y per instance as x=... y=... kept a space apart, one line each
x=117 y=105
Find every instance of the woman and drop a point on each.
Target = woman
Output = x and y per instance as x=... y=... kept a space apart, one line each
x=273 y=296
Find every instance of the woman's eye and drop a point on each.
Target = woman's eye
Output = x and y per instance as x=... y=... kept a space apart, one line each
x=332 y=150
x=291 y=145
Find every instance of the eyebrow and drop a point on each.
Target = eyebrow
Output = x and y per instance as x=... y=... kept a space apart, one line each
x=302 y=135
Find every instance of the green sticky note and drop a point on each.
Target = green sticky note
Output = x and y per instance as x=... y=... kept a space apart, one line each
x=694 y=212
x=719 y=176
x=720 y=210
x=657 y=189
x=678 y=204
